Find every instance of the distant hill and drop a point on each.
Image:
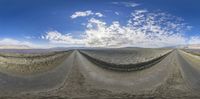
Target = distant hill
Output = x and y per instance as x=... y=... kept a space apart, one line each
x=14 y=47
x=193 y=46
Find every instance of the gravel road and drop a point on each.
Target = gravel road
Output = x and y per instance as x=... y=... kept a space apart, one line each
x=77 y=77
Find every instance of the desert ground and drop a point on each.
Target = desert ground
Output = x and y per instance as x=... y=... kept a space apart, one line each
x=100 y=73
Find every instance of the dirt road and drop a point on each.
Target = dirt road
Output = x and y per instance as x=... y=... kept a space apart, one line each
x=175 y=76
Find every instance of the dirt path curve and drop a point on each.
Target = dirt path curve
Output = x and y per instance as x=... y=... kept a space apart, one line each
x=12 y=85
x=146 y=79
x=175 y=76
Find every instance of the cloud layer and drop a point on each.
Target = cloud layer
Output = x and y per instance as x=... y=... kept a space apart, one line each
x=143 y=29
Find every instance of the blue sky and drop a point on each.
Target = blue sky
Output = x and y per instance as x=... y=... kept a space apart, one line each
x=32 y=21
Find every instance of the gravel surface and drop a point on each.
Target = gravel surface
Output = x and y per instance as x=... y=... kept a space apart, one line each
x=23 y=63
x=175 y=77
x=193 y=51
x=125 y=55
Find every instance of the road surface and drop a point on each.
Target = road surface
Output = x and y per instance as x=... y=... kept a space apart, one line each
x=175 y=76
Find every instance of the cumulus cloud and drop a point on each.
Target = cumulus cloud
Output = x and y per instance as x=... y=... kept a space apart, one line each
x=126 y=4
x=59 y=38
x=99 y=34
x=85 y=13
x=143 y=29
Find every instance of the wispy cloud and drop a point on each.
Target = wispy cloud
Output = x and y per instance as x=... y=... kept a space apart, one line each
x=29 y=37
x=117 y=13
x=194 y=40
x=126 y=4
x=85 y=13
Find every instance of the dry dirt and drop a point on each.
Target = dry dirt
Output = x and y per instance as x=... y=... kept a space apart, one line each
x=176 y=76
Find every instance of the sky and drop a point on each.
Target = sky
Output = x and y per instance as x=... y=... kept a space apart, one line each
x=99 y=23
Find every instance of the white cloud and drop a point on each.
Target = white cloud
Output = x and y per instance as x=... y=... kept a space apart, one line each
x=10 y=42
x=85 y=13
x=194 y=40
x=58 y=38
x=117 y=13
x=143 y=29
x=81 y=14
x=99 y=14
x=126 y=4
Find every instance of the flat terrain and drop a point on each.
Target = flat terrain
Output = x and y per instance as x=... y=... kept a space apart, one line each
x=193 y=51
x=125 y=73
